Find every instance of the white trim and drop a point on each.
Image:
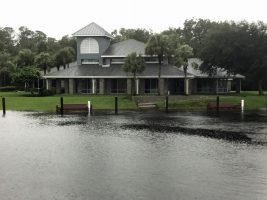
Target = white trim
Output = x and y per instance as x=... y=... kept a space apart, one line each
x=93 y=85
x=47 y=82
x=117 y=62
x=113 y=56
x=123 y=56
x=89 y=63
x=93 y=36
x=137 y=86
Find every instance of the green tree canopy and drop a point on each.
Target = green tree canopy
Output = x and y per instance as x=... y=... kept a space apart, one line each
x=25 y=75
x=25 y=58
x=181 y=56
x=237 y=48
x=64 y=56
x=6 y=69
x=194 y=31
x=43 y=61
x=141 y=35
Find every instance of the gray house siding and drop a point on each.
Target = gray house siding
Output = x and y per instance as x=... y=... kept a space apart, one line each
x=103 y=43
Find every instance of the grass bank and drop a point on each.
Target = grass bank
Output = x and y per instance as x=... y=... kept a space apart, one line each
x=199 y=102
x=22 y=101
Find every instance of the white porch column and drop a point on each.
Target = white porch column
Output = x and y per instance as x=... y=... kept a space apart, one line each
x=137 y=86
x=186 y=86
x=93 y=85
x=48 y=84
x=101 y=86
x=71 y=86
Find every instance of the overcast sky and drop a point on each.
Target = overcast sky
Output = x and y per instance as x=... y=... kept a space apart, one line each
x=57 y=18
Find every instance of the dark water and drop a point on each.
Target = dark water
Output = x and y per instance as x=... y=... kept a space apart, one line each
x=132 y=156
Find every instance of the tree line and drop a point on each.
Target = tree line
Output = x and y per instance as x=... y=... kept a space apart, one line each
x=24 y=54
x=238 y=47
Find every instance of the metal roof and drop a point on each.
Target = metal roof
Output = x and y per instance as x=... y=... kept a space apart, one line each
x=92 y=29
x=221 y=73
x=125 y=48
x=116 y=71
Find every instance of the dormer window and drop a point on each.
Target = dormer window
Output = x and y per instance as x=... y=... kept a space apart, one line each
x=89 y=45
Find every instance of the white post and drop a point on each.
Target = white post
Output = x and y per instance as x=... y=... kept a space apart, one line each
x=242 y=105
x=47 y=84
x=89 y=107
x=137 y=86
x=93 y=86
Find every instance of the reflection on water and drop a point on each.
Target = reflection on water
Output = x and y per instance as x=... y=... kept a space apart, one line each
x=133 y=156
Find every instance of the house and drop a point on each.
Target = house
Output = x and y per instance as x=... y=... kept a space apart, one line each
x=98 y=70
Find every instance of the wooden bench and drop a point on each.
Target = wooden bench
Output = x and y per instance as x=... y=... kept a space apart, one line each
x=147 y=105
x=73 y=108
x=223 y=106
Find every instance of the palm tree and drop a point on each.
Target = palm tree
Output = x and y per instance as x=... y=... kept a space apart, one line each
x=181 y=56
x=158 y=46
x=43 y=61
x=134 y=64
x=64 y=56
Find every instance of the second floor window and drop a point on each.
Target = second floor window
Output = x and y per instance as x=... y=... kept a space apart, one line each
x=89 y=45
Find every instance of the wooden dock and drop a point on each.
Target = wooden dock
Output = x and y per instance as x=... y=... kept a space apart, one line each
x=223 y=106
x=72 y=108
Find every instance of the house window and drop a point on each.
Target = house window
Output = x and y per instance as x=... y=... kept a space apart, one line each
x=151 y=86
x=151 y=60
x=118 y=86
x=54 y=83
x=106 y=62
x=90 y=61
x=117 y=60
x=86 y=86
x=89 y=45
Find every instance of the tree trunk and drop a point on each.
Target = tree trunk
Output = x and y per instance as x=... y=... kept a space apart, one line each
x=58 y=68
x=64 y=66
x=260 y=87
x=185 y=72
x=44 y=71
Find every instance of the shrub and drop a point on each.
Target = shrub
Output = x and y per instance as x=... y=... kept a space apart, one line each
x=44 y=92
x=8 y=88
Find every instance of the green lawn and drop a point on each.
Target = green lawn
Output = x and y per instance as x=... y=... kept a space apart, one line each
x=252 y=101
x=23 y=102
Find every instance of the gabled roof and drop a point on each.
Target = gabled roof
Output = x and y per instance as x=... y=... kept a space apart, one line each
x=92 y=30
x=125 y=48
x=221 y=73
